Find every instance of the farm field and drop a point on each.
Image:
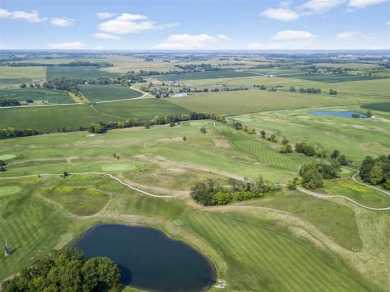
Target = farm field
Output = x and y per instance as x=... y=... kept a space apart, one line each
x=203 y=75
x=108 y=92
x=72 y=117
x=73 y=72
x=248 y=230
x=14 y=76
x=250 y=101
x=333 y=78
x=50 y=96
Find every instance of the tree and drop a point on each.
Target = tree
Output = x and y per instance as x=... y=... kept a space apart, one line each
x=2 y=163
x=23 y=85
x=343 y=160
x=369 y=114
x=376 y=175
x=311 y=179
x=262 y=134
x=285 y=141
x=335 y=154
x=66 y=173
x=203 y=130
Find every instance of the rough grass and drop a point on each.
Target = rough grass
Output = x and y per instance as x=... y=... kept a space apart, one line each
x=336 y=221
x=108 y=92
x=51 y=96
x=78 y=201
x=382 y=106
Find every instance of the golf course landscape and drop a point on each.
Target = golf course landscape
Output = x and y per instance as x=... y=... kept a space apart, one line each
x=121 y=154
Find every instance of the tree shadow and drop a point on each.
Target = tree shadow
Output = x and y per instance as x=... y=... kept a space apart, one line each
x=126 y=275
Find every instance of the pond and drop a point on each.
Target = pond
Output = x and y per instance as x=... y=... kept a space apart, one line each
x=338 y=114
x=149 y=259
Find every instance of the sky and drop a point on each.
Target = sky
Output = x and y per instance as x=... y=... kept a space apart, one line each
x=195 y=24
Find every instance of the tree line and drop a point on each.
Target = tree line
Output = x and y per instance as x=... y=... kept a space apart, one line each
x=8 y=102
x=212 y=193
x=66 y=270
x=376 y=171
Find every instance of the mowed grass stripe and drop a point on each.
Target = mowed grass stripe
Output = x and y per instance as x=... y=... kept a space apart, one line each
x=301 y=265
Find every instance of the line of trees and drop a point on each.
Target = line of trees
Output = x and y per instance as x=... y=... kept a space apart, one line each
x=66 y=270
x=13 y=133
x=70 y=64
x=376 y=171
x=212 y=193
x=8 y=102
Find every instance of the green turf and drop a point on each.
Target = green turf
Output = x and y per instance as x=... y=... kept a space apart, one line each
x=9 y=190
x=79 y=201
x=108 y=92
x=337 y=221
x=74 y=72
x=51 y=96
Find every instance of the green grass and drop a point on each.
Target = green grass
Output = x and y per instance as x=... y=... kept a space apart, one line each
x=203 y=75
x=336 y=221
x=108 y=92
x=14 y=80
x=79 y=201
x=241 y=102
x=51 y=96
x=73 y=72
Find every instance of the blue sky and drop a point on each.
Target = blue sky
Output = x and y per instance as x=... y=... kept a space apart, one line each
x=195 y=25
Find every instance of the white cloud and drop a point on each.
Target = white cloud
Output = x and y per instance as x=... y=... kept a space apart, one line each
x=293 y=35
x=62 y=21
x=364 y=3
x=188 y=41
x=351 y=36
x=260 y=46
x=283 y=14
x=104 y=15
x=67 y=46
x=102 y=35
x=127 y=23
x=320 y=6
x=32 y=16
x=388 y=23
x=99 y=48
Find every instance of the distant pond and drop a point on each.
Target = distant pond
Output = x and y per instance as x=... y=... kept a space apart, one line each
x=149 y=259
x=338 y=114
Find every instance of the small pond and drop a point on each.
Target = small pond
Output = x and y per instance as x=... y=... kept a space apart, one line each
x=149 y=259
x=338 y=114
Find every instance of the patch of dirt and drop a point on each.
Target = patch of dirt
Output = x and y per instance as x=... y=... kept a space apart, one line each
x=221 y=143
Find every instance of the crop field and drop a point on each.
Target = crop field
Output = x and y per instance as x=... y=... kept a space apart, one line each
x=250 y=101
x=73 y=72
x=333 y=78
x=48 y=119
x=36 y=72
x=203 y=75
x=108 y=92
x=380 y=106
x=51 y=96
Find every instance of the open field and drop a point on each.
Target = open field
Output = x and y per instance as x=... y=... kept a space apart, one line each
x=334 y=78
x=36 y=72
x=73 y=72
x=108 y=92
x=48 y=119
x=51 y=96
x=250 y=101
x=203 y=75
x=380 y=106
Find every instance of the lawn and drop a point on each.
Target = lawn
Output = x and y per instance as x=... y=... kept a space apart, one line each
x=108 y=92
